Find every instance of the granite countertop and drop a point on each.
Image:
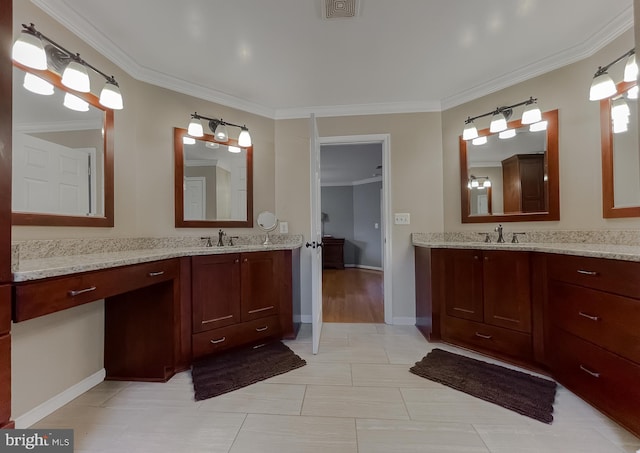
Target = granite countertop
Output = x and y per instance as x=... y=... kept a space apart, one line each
x=609 y=251
x=38 y=268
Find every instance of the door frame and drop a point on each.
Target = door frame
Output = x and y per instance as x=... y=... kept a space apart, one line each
x=386 y=215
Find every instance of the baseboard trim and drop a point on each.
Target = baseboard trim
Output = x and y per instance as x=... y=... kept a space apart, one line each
x=304 y=319
x=362 y=266
x=404 y=321
x=48 y=407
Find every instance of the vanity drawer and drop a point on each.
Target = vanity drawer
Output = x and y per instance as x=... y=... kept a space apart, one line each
x=614 y=276
x=42 y=297
x=605 y=380
x=604 y=319
x=487 y=337
x=212 y=341
x=5 y=378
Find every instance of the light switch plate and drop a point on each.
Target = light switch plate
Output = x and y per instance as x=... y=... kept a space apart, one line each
x=402 y=218
x=284 y=227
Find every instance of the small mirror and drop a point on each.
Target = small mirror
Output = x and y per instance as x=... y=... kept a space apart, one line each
x=267 y=221
x=512 y=179
x=62 y=158
x=620 y=153
x=213 y=182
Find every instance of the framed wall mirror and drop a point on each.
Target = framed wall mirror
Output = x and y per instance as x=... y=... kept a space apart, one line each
x=62 y=169
x=213 y=182
x=513 y=179
x=620 y=153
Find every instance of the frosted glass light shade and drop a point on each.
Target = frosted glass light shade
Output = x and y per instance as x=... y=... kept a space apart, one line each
x=602 y=87
x=474 y=183
x=234 y=149
x=479 y=140
x=29 y=51
x=111 y=97
x=470 y=132
x=195 y=128
x=539 y=126
x=507 y=133
x=632 y=93
x=619 y=127
x=620 y=109
x=221 y=133
x=498 y=123
x=188 y=140
x=75 y=77
x=486 y=183
x=531 y=115
x=37 y=85
x=631 y=69
x=73 y=102
x=244 y=139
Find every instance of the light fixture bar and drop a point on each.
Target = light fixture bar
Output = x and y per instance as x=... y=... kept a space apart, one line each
x=244 y=139
x=603 y=69
x=503 y=109
x=110 y=80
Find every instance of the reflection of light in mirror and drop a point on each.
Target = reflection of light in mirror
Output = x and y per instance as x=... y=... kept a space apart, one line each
x=620 y=109
x=479 y=140
x=73 y=102
x=211 y=145
x=37 y=85
x=633 y=92
x=619 y=127
x=234 y=149
x=509 y=133
x=539 y=126
x=631 y=69
x=188 y=140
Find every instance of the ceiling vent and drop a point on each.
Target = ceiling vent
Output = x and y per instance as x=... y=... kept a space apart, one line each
x=334 y=9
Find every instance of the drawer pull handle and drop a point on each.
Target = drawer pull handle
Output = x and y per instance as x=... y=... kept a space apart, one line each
x=258 y=310
x=261 y=329
x=583 y=272
x=591 y=317
x=77 y=292
x=486 y=337
x=155 y=274
x=218 y=341
x=589 y=372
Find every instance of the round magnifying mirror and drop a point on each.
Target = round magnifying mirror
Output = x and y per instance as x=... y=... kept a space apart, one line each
x=267 y=221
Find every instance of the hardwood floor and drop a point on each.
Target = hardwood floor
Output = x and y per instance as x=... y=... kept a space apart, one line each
x=352 y=295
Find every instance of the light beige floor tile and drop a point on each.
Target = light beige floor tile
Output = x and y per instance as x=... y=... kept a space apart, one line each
x=350 y=354
x=343 y=330
x=618 y=436
x=388 y=329
x=543 y=438
x=260 y=398
x=448 y=405
x=145 y=395
x=361 y=402
x=71 y=415
x=321 y=373
x=384 y=436
x=387 y=375
x=282 y=434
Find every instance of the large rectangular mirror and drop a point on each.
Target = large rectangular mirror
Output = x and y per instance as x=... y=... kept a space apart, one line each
x=620 y=153
x=511 y=179
x=213 y=182
x=62 y=170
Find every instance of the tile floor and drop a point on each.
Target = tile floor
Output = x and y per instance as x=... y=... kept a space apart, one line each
x=356 y=395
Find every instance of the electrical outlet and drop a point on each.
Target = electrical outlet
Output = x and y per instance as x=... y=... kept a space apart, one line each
x=402 y=219
x=284 y=227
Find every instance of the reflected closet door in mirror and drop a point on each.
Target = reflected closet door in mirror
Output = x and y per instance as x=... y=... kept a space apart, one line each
x=62 y=159
x=514 y=179
x=213 y=182
x=620 y=156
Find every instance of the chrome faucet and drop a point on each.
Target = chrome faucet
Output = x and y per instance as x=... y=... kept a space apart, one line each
x=221 y=234
x=208 y=244
x=499 y=230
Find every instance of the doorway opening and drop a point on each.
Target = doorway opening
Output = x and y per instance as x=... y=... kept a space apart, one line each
x=354 y=212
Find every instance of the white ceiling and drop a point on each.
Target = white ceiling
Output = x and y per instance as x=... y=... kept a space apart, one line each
x=281 y=59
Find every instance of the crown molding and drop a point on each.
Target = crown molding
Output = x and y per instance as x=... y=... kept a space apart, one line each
x=78 y=25
x=58 y=126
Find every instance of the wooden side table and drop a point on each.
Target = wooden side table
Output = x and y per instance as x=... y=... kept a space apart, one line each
x=332 y=252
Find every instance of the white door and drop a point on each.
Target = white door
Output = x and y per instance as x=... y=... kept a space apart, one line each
x=315 y=237
x=195 y=198
x=51 y=178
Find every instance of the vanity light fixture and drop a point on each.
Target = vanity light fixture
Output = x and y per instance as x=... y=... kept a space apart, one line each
x=632 y=93
x=508 y=133
x=73 y=102
x=37 y=85
x=500 y=116
x=219 y=129
x=29 y=51
x=539 y=126
x=478 y=182
x=603 y=85
x=482 y=140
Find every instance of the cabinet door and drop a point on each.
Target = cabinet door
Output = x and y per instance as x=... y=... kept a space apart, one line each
x=260 y=275
x=507 y=289
x=215 y=286
x=463 y=284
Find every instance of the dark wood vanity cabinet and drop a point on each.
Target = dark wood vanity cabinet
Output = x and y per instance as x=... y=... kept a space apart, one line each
x=594 y=340
x=481 y=299
x=332 y=252
x=487 y=301
x=523 y=183
x=239 y=299
x=5 y=354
